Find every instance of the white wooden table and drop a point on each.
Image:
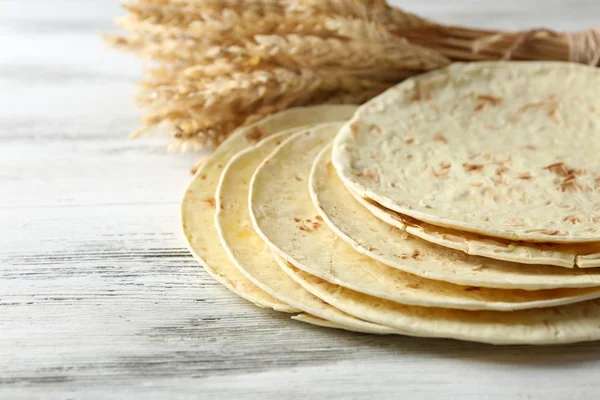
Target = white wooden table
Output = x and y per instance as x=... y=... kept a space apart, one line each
x=99 y=297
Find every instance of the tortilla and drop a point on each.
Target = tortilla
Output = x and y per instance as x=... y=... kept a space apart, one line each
x=248 y=252
x=370 y=236
x=198 y=204
x=284 y=216
x=504 y=149
x=312 y=320
x=558 y=325
x=582 y=255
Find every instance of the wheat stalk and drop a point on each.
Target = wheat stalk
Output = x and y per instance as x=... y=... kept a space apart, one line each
x=218 y=64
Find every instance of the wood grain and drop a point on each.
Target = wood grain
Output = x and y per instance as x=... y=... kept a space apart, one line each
x=98 y=296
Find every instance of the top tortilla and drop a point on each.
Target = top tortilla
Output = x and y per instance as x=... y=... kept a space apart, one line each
x=198 y=204
x=502 y=149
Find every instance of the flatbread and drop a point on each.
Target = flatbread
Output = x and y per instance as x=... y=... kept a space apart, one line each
x=284 y=216
x=251 y=255
x=368 y=235
x=198 y=204
x=312 y=320
x=558 y=325
x=581 y=255
x=504 y=149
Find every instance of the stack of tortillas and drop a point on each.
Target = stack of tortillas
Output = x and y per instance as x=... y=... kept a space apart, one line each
x=464 y=203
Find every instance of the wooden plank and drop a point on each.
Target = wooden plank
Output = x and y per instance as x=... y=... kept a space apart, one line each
x=99 y=297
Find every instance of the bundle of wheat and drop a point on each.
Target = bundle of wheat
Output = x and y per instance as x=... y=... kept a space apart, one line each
x=215 y=65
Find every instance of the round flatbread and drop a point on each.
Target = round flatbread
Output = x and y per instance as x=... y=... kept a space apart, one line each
x=581 y=255
x=370 y=236
x=557 y=325
x=251 y=255
x=504 y=149
x=284 y=216
x=312 y=320
x=198 y=204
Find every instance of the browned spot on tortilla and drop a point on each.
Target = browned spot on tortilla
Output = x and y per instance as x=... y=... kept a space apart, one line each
x=442 y=172
x=573 y=219
x=307 y=133
x=440 y=138
x=550 y=106
x=298 y=178
x=353 y=128
x=493 y=100
x=477 y=184
x=473 y=167
x=370 y=175
x=554 y=114
x=319 y=218
x=409 y=140
x=562 y=170
x=530 y=147
x=597 y=180
x=416 y=255
x=203 y=177
x=393 y=184
x=539 y=104
x=471 y=289
x=570 y=175
x=569 y=185
x=415 y=285
x=211 y=202
x=375 y=130
x=483 y=100
x=524 y=175
x=501 y=170
x=308 y=226
x=255 y=134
